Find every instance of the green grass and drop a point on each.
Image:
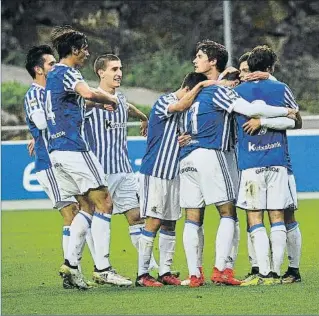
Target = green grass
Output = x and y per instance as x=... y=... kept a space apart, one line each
x=31 y=256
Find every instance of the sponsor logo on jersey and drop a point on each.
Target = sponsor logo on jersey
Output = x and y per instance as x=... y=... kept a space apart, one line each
x=273 y=169
x=112 y=125
x=188 y=169
x=254 y=147
x=57 y=135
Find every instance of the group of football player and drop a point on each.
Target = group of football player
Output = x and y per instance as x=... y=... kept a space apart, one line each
x=219 y=139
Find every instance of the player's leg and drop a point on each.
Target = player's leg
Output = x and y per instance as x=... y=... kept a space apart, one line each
x=251 y=257
x=191 y=198
x=294 y=239
x=101 y=233
x=150 y=208
x=68 y=209
x=224 y=244
x=253 y=197
x=201 y=243
x=232 y=165
x=136 y=226
x=278 y=237
x=191 y=244
x=146 y=244
x=217 y=187
x=278 y=199
x=167 y=244
x=124 y=191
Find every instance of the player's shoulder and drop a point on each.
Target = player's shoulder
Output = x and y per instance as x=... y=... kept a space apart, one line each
x=34 y=91
x=166 y=99
x=120 y=95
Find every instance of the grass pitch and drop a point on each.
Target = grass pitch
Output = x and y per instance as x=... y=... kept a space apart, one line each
x=32 y=254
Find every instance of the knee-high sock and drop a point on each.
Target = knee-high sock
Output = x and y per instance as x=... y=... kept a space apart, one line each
x=261 y=246
x=167 y=242
x=278 y=239
x=65 y=240
x=78 y=230
x=293 y=244
x=230 y=262
x=101 y=233
x=145 y=249
x=135 y=234
x=251 y=251
x=201 y=242
x=224 y=241
x=191 y=246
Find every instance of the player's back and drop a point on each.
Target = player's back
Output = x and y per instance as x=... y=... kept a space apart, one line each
x=208 y=121
x=33 y=102
x=65 y=110
x=267 y=147
x=161 y=157
x=106 y=133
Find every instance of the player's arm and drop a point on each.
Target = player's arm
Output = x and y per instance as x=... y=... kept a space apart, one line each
x=277 y=123
x=95 y=95
x=133 y=111
x=229 y=100
x=291 y=103
x=34 y=108
x=259 y=109
x=187 y=100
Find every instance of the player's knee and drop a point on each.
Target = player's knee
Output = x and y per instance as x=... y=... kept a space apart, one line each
x=152 y=224
x=133 y=217
x=254 y=218
x=101 y=200
x=227 y=210
x=193 y=215
x=289 y=216
x=168 y=225
x=68 y=213
x=276 y=216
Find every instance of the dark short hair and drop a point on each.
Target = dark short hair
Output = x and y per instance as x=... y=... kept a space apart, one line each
x=261 y=58
x=64 y=38
x=35 y=58
x=192 y=79
x=243 y=57
x=102 y=60
x=213 y=51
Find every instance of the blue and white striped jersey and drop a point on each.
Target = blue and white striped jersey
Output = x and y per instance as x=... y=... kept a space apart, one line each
x=65 y=110
x=34 y=102
x=209 y=120
x=267 y=147
x=161 y=158
x=106 y=133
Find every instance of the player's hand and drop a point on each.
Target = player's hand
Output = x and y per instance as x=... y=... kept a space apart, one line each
x=30 y=147
x=292 y=114
x=256 y=75
x=207 y=83
x=143 y=128
x=108 y=107
x=252 y=125
x=184 y=139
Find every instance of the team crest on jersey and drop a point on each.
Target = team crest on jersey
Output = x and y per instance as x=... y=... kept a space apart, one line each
x=33 y=102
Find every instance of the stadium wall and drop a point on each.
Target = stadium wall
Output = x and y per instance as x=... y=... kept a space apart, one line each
x=19 y=183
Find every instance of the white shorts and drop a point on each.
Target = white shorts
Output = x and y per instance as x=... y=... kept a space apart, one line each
x=159 y=198
x=231 y=159
x=205 y=179
x=293 y=191
x=264 y=189
x=49 y=184
x=123 y=190
x=77 y=172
